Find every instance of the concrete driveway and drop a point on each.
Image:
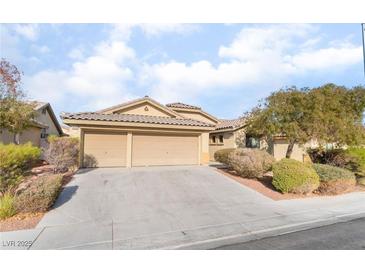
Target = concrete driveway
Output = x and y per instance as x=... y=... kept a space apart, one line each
x=173 y=207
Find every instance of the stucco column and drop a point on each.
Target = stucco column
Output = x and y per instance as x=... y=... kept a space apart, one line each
x=81 y=148
x=129 y=149
x=204 y=148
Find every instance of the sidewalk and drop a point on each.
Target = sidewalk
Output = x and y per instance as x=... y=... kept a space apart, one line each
x=289 y=216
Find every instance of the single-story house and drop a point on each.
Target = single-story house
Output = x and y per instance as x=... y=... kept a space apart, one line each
x=144 y=132
x=44 y=124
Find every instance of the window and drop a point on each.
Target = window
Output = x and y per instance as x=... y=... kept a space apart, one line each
x=213 y=139
x=44 y=133
x=252 y=142
x=221 y=139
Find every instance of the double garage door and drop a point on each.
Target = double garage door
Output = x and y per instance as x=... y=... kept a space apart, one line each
x=110 y=149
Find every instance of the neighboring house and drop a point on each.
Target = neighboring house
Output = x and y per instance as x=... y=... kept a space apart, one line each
x=71 y=131
x=44 y=124
x=144 y=132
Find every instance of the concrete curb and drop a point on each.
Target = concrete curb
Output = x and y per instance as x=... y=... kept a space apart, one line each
x=265 y=233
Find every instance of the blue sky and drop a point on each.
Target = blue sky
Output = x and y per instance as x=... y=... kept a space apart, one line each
x=224 y=68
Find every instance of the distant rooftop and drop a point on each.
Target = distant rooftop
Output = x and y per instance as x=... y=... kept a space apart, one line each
x=230 y=124
x=182 y=105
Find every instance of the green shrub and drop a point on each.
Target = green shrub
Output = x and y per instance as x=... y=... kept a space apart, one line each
x=334 y=180
x=329 y=173
x=222 y=155
x=62 y=152
x=41 y=195
x=15 y=160
x=250 y=163
x=352 y=158
x=7 y=208
x=291 y=176
x=357 y=162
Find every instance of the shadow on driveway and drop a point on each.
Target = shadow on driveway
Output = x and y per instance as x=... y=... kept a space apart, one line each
x=65 y=195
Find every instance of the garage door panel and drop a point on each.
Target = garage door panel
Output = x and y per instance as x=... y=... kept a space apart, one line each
x=104 y=149
x=149 y=150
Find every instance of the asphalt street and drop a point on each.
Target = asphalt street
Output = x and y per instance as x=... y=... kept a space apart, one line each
x=340 y=236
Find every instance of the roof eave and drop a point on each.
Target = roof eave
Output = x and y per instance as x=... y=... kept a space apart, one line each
x=83 y=122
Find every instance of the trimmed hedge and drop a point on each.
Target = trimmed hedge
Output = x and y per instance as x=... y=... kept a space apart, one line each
x=334 y=180
x=250 y=163
x=40 y=196
x=222 y=155
x=15 y=160
x=291 y=176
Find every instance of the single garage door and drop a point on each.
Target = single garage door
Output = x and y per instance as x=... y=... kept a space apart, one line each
x=105 y=149
x=153 y=150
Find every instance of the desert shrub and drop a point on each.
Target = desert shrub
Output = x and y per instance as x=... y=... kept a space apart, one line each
x=334 y=180
x=334 y=157
x=15 y=160
x=222 y=155
x=352 y=158
x=40 y=196
x=250 y=163
x=7 y=208
x=357 y=162
x=62 y=152
x=291 y=176
x=361 y=181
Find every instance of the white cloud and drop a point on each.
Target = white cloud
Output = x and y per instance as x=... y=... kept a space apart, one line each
x=28 y=31
x=96 y=81
x=327 y=58
x=178 y=81
x=123 y=32
x=264 y=56
x=41 y=49
x=258 y=42
x=76 y=53
x=157 y=29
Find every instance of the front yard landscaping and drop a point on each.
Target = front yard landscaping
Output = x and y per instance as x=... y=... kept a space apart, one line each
x=30 y=186
x=291 y=179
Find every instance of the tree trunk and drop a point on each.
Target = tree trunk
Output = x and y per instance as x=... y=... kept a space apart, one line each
x=16 y=138
x=290 y=148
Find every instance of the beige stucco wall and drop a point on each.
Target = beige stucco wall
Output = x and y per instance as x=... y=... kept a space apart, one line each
x=204 y=148
x=228 y=142
x=141 y=110
x=6 y=137
x=32 y=135
x=280 y=147
x=196 y=116
x=46 y=119
x=71 y=131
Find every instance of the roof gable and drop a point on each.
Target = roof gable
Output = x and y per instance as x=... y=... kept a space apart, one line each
x=193 y=112
x=234 y=124
x=39 y=106
x=143 y=106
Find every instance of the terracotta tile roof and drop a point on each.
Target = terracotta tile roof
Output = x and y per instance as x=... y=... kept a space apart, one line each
x=133 y=118
x=230 y=124
x=182 y=105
